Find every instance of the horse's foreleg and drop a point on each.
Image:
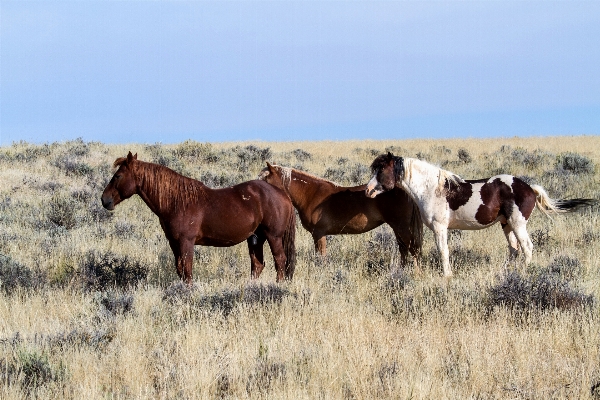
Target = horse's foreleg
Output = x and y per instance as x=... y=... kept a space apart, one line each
x=174 y=244
x=403 y=238
x=184 y=258
x=441 y=241
x=255 y=248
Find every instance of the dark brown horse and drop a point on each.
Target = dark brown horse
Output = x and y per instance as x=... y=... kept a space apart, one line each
x=328 y=209
x=191 y=213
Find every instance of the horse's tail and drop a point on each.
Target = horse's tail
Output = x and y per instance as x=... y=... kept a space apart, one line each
x=289 y=244
x=416 y=228
x=545 y=204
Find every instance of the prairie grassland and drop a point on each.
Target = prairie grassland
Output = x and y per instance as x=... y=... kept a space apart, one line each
x=90 y=305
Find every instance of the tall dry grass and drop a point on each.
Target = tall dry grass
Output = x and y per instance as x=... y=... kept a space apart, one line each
x=90 y=306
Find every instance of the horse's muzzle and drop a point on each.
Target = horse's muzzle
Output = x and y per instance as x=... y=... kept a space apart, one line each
x=372 y=193
x=108 y=204
x=373 y=190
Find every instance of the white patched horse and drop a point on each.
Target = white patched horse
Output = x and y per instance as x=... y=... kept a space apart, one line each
x=446 y=201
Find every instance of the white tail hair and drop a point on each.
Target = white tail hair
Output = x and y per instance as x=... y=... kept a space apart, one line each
x=544 y=203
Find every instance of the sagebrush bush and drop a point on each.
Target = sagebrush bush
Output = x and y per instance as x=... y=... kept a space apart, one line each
x=94 y=337
x=530 y=159
x=62 y=209
x=264 y=375
x=115 y=303
x=196 y=152
x=566 y=267
x=25 y=152
x=72 y=166
x=575 y=163
x=461 y=258
x=14 y=275
x=350 y=174
x=542 y=292
x=302 y=155
x=31 y=370
x=227 y=299
x=464 y=156
x=98 y=270
x=252 y=155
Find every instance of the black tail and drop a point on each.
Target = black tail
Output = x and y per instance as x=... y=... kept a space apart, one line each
x=574 y=204
x=289 y=245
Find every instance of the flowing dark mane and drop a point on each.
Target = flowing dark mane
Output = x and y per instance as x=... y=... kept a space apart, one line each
x=172 y=190
x=383 y=160
x=377 y=163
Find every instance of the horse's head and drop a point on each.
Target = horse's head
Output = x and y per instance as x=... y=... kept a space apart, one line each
x=122 y=185
x=272 y=175
x=388 y=171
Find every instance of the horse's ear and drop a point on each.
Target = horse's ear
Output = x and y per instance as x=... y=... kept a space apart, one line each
x=269 y=166
x=390 y=155
x=131 y=157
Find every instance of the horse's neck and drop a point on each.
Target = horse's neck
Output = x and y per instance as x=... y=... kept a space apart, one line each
x=420 y=181
x=151 y=189
x=303 y=189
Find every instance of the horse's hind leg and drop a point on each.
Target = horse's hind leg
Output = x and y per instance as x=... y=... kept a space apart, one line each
x=255 y=248
x=520 y=230
x=513 y=243
x=276 y=245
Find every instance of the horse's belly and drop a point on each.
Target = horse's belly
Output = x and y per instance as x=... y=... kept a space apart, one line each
x=225 y=234
x=467 y=222
x=218 y=242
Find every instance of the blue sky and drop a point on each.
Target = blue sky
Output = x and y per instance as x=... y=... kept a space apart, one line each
x=167 y=71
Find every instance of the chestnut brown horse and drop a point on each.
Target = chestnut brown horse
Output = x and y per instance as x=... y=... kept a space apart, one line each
x=191 y=213
x=328 y=209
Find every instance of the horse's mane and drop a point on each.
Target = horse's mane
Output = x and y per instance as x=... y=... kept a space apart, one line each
x=286 y=176
x=171 y=189
x=443 y=175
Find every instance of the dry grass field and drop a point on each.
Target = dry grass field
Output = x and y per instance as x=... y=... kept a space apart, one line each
x=90 y=304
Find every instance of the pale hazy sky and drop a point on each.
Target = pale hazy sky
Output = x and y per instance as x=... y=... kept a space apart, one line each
x=166 y=71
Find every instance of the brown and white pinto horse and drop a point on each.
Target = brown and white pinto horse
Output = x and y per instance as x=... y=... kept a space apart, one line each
x=328 y=209
x=191 y=213
x=446 y=201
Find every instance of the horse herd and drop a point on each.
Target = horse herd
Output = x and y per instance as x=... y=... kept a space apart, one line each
x=405 y=193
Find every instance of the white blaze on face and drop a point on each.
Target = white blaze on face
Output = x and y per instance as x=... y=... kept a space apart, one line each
x=373 y=187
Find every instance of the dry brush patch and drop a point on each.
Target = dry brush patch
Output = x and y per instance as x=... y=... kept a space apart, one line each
x=90 y=305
